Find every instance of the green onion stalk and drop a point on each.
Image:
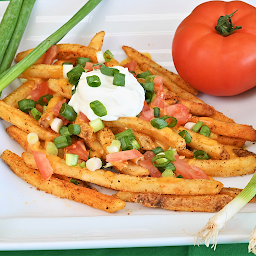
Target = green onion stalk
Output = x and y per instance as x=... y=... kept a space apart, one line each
x=12 y=73
x=218 y=221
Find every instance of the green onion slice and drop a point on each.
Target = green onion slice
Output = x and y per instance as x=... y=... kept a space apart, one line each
x=129 y=132
x=149 y=96
x=144 y=74
x=168 y=173
x=200 y=154
x=157 y=150
x=158 y=123
x=150 y=78
x=173 y=122
x=135 y=144
x=156 y=112
x=126 y=143
x=36 y=114
x=82 y=61
x=108 y=56
x=74 y=74
x=26 y=105
x=67 y=63
x=97 y=125
x=148 y=86
x=98 y=108
x=62 y=141
x=74 y=129
x=187 y=137
x=197 y=126
x=71 y=159
x=44 y=100
x=73 y=181
x=68 y=112
x=119 y=79
x=205 y=130
x=93 y=81
x=160 y=160
x=108 y=71
x=180 y=176
x=169 y=154
x=64 y=130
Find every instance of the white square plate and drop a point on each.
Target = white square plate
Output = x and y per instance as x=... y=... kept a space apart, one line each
x=31 y=219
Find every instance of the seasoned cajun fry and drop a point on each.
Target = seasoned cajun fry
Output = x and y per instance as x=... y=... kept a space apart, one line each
x=97 y=41
x=135 y=170
x=18 y=135
x=141 y=58
x=60 y=62
x=236 y=142
x=61 y=188
x=61 y=87
x=24 y=121
x=226 y=168
x=20 y=56
x=234 y=192
x=145 y=141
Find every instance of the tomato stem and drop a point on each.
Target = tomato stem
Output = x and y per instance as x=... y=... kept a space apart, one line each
x=225 y=25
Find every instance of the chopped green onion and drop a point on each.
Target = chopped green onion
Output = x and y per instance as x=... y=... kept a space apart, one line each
x=187 y=137
x=169 y=154
x=93 y=81
x=158 y=123
x=8 y=76
x=129 y=132
x=68 y=112
x=165 y=117
x=71 y=159
x=73 y=181
x=67 y=63
x=62 y=141
x=96 y=124
x=74 y=129
x=200 y=154
x=108 y=71
x=180 y=176
x=160 y=160
x=82 y=61
x=156 y=112
x=148 y=86
x=97 y=64
x=114 y=147
x=205 y=130
x=126 y=143
x=149 y=96
x=173 y=122
x=32 y=138
x=51 y=149
x=83 y=164
x=171 y=167
x=168 y=173
x=157 y=150
x=135 y=144
x=197 y=126
x=36 y=114
x=119 y=79
x=144 y=74
x=108 y=56
x=64 y=130
x=44 y=100
x=98 y=108
x=74 y=74
x=26 y=105
x=150 y=78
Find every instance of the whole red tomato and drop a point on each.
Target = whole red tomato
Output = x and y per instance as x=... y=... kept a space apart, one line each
x=213 y=63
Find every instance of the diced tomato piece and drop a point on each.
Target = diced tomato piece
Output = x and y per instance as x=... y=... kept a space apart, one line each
x=145 y=107
x=158 y=80
x=123 y=155
x=147 y=163
x=158 y=101
x=147 y=115
x=131 y=65
x=56 y=111
x=51 y=55
x=79 y=149
x=89 y=66
x=40 y=91
x=83 y=117
x=180 y=112
x=187 y=171
x=43 y=164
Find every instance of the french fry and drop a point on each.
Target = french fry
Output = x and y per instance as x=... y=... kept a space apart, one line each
x=166 y=135
x=145 y=141
x=60 y=62
x=234 y=130
x=20 y=56
x=233 y=192
x=24 y=122
x=135 y=170
x=18 y=135
x=200 y=142
x=236 y=142
x=61 y=87
x=141 y=58
x=97 y=41
x=61 y=188
x=226 y=168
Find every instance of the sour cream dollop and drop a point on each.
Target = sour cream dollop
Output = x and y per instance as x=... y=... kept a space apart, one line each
x=120 y=101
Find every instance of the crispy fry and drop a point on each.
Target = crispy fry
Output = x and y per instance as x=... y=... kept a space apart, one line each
x=166 y=135
x=97 y=41
x=61 y=188
x=141 y=58
x=20 y=56
x=226 y=168
x=18 y=135
x=24 y=122
x=61 y=87
x=233 y=192
x=145 y=141
x=236 y=142
x=60 y=62
x=235 y=130
x=135 y=170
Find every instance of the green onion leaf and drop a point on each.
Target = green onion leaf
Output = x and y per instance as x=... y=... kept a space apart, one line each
x=135 y=144
x=71 y=159
x=93 y=81
x=64 y=130
x=158 y=123
x=82 y=61
x=108 y=71
x=173 y=122
x=150 y=78
x=149 y=96
x=96 y=124
x=68 y=112
x=156 y=112
x=144 y=74
x=148 y=86
x=197 y=126
x=44 y=100
x=74 y=129
x=98 y=108
x=74 y=74
x=26 y=105
x=62 y=141
x=205 y=130
x=36 y=114
x=187 y=137
x=126 y=143
x=108 y=56
x=200 y=154
x=119 y=79
x=169 y=154
x=157 y=150
x=129 y=132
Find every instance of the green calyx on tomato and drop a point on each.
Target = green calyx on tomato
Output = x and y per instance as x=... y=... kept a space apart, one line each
x=225 y=25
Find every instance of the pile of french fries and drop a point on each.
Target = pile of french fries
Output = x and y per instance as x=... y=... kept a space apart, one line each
x=132 y=181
